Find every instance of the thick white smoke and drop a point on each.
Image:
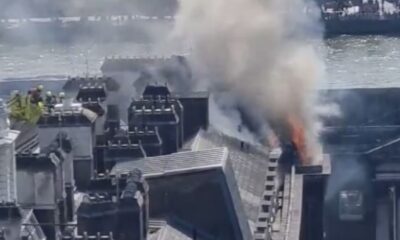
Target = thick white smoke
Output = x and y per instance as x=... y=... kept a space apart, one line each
x=258 y=50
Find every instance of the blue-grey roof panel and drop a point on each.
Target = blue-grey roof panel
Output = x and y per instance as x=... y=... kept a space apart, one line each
x=250 y=165
x=177 y=162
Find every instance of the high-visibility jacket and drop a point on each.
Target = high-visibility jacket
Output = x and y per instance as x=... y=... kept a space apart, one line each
x=22 y=109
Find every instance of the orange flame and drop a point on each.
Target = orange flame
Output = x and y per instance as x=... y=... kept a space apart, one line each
x=297 y=132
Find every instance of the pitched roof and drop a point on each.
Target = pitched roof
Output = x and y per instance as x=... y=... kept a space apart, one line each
x=176 y=163
x=249 y=164
x=174 y=229
x=28 y=137
x=183 y=163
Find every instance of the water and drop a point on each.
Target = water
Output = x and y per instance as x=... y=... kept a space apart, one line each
x=351 y=61
x=362 y=61
x=71 y=60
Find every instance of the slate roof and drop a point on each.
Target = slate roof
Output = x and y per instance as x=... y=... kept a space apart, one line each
x=249 y=166
x=172 y=230
x=189 y=162
x=168 y=232
x=176 y=163
x=28 y=137
x=211 y=148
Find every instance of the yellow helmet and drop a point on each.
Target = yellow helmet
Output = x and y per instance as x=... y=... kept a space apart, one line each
x=48 y=94
x=40 y=87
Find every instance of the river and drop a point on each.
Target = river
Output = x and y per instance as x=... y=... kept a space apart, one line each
x=350 y=61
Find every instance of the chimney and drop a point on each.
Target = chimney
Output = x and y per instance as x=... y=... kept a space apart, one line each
x=8 y=181
x=132 y=217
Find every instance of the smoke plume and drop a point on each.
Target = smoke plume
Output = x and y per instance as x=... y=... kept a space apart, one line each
x=258 y=51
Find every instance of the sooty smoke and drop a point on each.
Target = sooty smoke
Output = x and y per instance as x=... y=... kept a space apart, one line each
x=260 y=53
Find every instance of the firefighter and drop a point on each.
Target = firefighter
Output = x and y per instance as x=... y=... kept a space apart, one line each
x=39 y=88
x=49 y=101
x=16 y=106
x=61 y=97
x=33 y=104
x=16 y=98
x=36 y=95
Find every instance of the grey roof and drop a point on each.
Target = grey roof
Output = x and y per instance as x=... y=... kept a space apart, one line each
x=169 y=233
x=189 y=162
x=210 y=149
x=176 y=163
x=28 y=137
x=175 y=230
x=249 y=165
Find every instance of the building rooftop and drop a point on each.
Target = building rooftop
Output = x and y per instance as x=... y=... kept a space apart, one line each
x=176 y=163
x=250 y=166
x=66 y=116
x=27 y=140
x=210 y=168
x=172 y=229
x=212 y=149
